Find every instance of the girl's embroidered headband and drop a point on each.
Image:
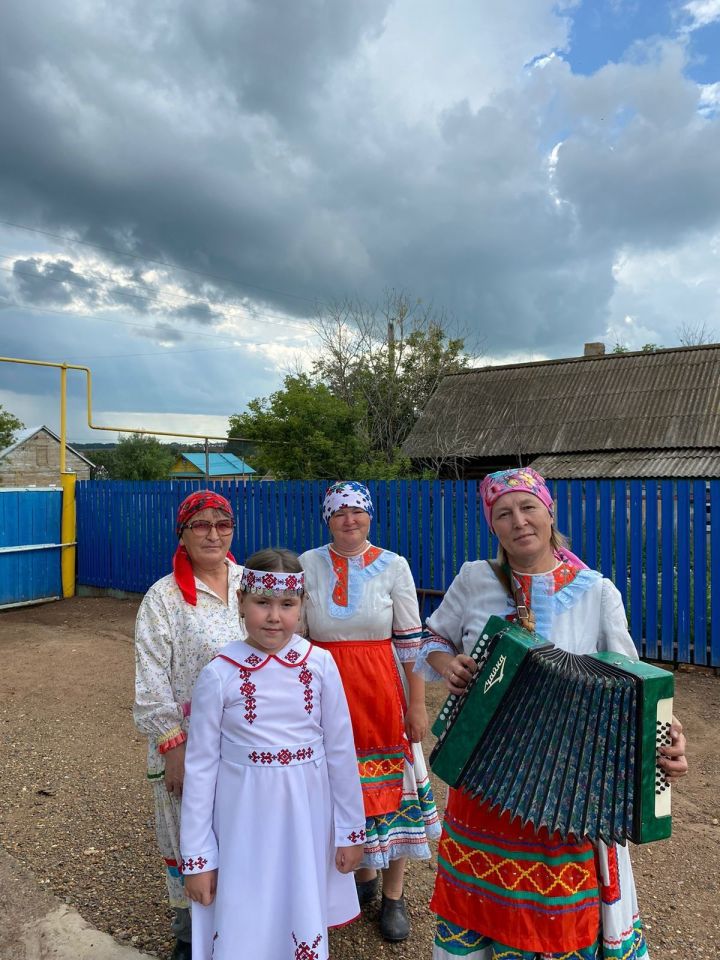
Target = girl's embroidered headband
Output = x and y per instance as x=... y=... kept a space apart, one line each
x=272 y=584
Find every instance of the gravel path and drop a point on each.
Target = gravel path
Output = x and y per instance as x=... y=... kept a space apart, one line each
x=76 y=809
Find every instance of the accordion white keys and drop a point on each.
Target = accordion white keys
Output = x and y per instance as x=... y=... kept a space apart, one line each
x=564 y=741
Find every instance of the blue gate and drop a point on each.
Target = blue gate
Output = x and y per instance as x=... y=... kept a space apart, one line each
x=30 y=545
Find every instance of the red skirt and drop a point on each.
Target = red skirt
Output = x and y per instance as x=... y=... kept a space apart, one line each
x=531 y=890
x=377 y=709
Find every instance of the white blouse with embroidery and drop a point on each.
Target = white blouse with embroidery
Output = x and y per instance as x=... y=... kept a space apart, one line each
x=584 y=616
x=173 y=642
x=382 y=601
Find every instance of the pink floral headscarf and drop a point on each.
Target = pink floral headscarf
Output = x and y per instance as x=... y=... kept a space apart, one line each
x=522 y=480
x=518 y=480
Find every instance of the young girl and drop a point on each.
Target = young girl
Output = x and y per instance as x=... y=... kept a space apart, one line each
x=272 y=821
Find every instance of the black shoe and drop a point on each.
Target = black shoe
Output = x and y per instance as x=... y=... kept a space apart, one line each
x=366 y=890
x=394 y=922
x=182 y=950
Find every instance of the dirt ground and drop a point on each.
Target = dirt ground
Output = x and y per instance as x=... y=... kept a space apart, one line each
x=76 y=811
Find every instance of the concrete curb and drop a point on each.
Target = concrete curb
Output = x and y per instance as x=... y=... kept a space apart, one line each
x=34 y=925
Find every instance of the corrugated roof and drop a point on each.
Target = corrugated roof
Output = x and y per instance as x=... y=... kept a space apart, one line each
x=661 y=399
x=220 y=464
x=624 y=464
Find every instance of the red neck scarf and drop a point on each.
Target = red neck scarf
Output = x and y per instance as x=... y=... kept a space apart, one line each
x=182 y=564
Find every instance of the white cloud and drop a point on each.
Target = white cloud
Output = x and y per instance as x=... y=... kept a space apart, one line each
x=197 y=425
x=702 y=13
x=709 y=103
x=661 y=292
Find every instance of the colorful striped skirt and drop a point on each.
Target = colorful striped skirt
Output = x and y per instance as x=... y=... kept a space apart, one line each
x=500 y=882
x=399 y=804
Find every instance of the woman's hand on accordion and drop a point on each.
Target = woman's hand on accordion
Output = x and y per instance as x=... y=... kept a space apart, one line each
x=458 y=672
x=672 y=757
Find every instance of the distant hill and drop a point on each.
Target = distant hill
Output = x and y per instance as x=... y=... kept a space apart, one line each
x=174 y=446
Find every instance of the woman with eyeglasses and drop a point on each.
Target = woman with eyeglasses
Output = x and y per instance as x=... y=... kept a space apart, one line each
x=183 y=621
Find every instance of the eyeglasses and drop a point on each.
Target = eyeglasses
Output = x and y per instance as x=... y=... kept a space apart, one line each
x=201 y=528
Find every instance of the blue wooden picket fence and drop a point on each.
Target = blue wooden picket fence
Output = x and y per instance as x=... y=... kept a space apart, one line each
x=659 y=541
x=30 y=545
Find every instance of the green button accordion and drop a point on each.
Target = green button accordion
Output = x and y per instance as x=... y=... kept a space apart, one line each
x=564 y=741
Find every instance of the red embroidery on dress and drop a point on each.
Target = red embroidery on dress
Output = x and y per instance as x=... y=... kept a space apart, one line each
x=293 y=656
x=253 y=659
x=563 y=575
x=371 y=555
x=248 y=690
x=304 y=951
x=305 y=677
x=187 y=866
x=356 y=836
x=284 y=756
x=340 y=569
x=611 y=892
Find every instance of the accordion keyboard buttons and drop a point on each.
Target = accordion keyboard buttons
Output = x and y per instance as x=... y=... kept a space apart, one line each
x=451 y=703
x=663 y=738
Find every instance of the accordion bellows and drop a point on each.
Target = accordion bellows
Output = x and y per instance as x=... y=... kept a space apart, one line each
x=564 y=741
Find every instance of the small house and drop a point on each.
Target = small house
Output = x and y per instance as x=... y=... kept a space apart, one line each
x=34 y=460
x=653 y=414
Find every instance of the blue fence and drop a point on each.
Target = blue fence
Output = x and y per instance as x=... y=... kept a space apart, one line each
x=30 y=545
x=659 y=541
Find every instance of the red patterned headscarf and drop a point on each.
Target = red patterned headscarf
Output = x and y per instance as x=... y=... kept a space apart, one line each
x=182 y=565
x=202 y=500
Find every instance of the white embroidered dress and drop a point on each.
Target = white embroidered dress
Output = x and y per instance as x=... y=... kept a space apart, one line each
x=271 y=788
x=584 y=616
x=173 y=642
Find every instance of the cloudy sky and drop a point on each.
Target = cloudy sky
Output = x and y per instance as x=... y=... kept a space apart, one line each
x=183 y=185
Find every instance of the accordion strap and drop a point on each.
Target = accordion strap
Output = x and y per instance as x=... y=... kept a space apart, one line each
x=526 y=618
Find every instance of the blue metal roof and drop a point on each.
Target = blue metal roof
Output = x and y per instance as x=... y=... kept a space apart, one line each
x=219 y=465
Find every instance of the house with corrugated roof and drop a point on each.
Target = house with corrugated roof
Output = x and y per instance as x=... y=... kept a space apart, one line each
x=220 y=466
x=34 y=460
x=647 y=414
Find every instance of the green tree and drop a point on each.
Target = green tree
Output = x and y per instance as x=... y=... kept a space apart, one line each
x=302 y=432
x=386 y=361
x=136 y=457
x=8 y=425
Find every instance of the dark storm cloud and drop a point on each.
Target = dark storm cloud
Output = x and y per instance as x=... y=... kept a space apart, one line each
x=163 y=131
x=198 y=312
x=164 y=332
x=641 y=167
x=253 y=142
x=52 y=283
